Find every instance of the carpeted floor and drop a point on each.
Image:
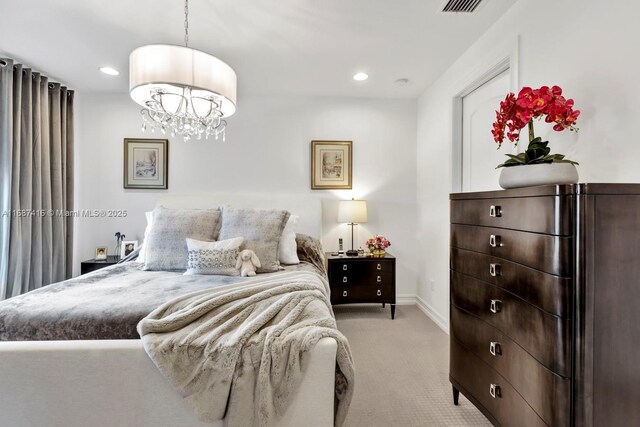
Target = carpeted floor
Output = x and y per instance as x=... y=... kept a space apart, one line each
x=402 y=370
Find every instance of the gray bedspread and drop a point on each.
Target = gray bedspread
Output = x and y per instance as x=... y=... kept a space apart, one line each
x=109 y=303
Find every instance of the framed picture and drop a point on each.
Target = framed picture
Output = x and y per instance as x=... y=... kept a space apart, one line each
x=101 y=253
x=146 y=163
x=331 y=165
x=127 y=247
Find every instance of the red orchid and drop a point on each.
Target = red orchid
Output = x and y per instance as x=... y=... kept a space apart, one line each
x=517 y=112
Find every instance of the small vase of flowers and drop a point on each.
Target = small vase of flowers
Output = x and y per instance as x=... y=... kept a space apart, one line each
x=536 y=165
x=377 y=245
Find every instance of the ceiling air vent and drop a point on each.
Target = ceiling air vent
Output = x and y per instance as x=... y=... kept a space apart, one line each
x=465 y=6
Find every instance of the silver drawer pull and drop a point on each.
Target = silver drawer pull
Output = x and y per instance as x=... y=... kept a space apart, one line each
x=496 y=305
x=379 y=293
x=344 y=267
x=379 y=266
x=344 y=293
x=379 y=279
x=494 y=241
x=495 y=348
x=495 y=269
x=344 y=279
x=494 y=391
x=495 y=211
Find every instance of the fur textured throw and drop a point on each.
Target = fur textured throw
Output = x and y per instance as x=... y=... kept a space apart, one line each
x=246 y=344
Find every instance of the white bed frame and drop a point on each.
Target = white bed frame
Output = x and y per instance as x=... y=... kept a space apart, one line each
x=110 y=383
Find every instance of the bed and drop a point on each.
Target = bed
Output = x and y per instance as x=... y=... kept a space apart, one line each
x=107 y=382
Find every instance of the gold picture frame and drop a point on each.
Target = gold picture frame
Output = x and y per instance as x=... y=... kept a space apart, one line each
x=146 y=163
x=331 y=165
x=101 y=253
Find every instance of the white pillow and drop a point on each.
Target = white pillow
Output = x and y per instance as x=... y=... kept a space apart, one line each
x=287 y=248
x=213 y=257
x=143 y=251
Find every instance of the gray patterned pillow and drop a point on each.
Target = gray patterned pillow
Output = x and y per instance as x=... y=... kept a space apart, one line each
x=261 y=229
x=167 y=246
x=213 y=257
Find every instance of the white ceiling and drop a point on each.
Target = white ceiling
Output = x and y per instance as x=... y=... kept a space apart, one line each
x=302 y=47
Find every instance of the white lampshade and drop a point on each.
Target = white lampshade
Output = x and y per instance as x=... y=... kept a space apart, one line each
x=173 y=68
x=352 y=211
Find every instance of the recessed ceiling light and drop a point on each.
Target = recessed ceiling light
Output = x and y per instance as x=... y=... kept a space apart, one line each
x=402 y=82
x=110 y=71
x=360 y=76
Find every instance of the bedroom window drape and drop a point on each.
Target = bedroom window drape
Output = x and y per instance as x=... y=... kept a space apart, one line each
x=36 y=180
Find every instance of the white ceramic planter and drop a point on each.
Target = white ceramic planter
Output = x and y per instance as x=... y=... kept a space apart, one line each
x=542 y=174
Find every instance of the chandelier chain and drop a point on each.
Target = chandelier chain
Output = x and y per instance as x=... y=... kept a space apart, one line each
x=186 y=23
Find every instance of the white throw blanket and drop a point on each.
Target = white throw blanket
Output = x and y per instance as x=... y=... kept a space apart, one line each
x=246 y=344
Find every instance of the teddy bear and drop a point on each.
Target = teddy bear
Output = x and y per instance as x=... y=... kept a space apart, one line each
x=247 y=263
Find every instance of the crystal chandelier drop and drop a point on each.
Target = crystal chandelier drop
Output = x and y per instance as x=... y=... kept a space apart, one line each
x=182 y=91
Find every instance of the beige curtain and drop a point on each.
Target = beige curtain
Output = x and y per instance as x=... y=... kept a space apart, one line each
x=36 y=169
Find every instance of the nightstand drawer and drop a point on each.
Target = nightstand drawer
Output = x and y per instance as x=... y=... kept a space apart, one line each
x=372 y=294
x=381 y=266
x=345 y=272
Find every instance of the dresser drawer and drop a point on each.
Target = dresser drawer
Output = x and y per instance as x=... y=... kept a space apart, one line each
x=545 y=336
x=475 y=377
x=551 y=293
x=551 y=254
x=362 y=293
x=547 y=215
x=546 y=392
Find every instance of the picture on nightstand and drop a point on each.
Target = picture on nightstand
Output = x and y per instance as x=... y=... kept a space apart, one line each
x=127 y=247
x=101 y=253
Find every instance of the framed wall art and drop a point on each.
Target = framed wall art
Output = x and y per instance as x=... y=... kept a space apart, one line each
x=146 y=163
x=331 y=165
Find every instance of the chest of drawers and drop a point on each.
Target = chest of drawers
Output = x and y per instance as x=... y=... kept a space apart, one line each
x=362 y=280
x=545 y=304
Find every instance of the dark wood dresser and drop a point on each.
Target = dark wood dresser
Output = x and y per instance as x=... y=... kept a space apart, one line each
x=362 y=280
x=545 y=304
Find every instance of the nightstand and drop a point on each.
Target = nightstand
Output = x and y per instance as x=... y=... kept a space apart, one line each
x=356 y=280
x=92 y=265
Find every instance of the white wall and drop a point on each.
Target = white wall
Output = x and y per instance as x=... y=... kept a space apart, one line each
x=267 y=150
x=588 y=47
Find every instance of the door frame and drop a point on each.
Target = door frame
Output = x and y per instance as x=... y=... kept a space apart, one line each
x=493 y=67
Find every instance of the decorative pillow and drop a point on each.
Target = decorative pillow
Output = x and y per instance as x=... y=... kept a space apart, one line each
x=166 y=246
x=143 y=252
x=287 y=248
x=213 y=257
x=261 y=229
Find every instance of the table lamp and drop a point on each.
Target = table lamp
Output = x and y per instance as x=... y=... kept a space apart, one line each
x=352 y=212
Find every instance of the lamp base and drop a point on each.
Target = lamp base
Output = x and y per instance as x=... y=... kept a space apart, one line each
x=352 y=252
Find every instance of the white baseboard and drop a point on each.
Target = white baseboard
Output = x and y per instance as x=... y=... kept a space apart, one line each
x=432 y=314
x=412 y=299
x=405 y=299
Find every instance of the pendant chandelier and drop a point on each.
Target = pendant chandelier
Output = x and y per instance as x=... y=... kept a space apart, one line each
x=182 y=91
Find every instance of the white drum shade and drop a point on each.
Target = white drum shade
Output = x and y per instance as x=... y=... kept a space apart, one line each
x=352 y=211
x=174 y=68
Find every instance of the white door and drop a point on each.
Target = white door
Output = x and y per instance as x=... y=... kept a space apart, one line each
x=479 y=152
